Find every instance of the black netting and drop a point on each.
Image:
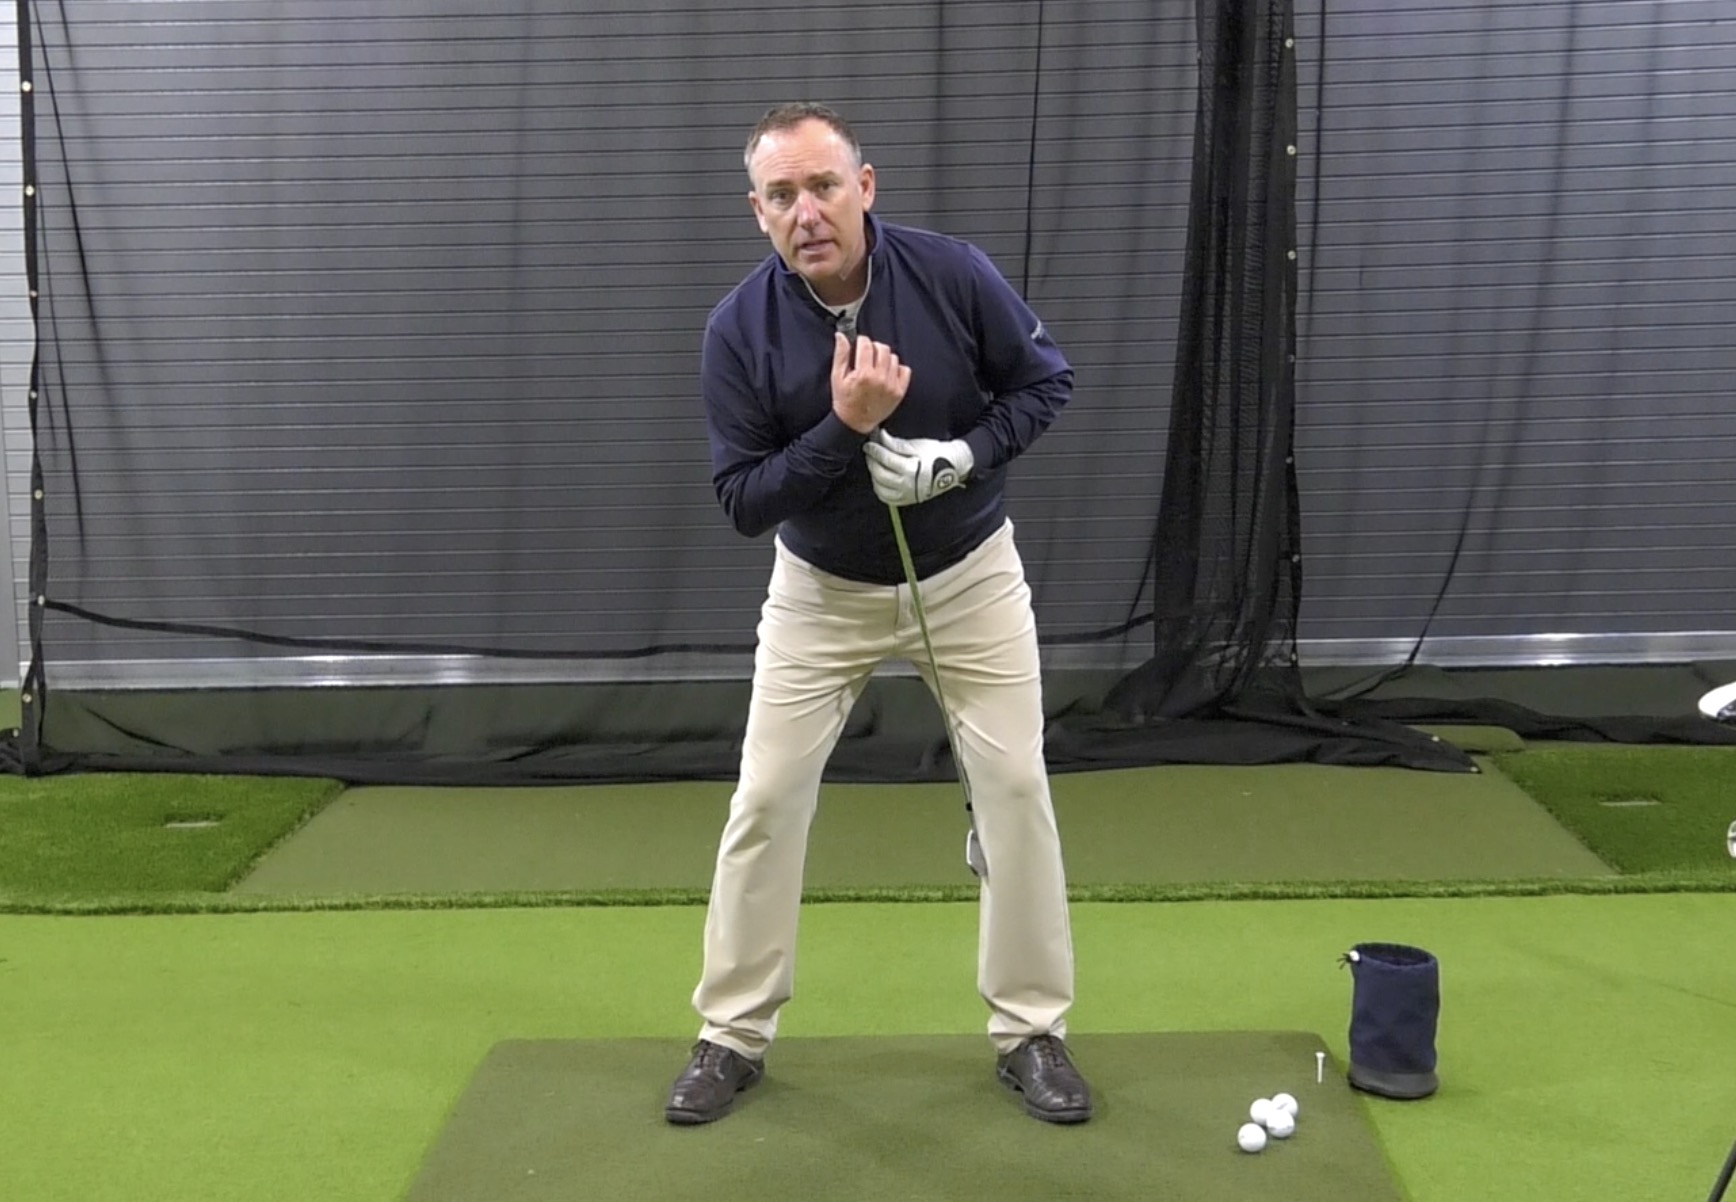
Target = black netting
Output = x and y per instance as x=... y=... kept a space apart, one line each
x=1226 y=549
x=1223 y=680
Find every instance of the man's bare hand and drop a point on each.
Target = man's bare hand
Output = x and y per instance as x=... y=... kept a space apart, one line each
x=866 y=393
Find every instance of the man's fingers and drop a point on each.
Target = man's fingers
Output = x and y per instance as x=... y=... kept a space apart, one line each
x=883 y=475
x=840 y=354
x=890 y=485
x=889 y=459
x=878 y=359
x=874 y=385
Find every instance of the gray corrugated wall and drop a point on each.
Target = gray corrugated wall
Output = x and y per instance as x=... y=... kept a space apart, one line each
x=400 y=304
x=16 y=336
x=1522 y=257
x=1520 y=333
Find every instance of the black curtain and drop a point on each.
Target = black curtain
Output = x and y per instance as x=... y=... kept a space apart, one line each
x=1224 y=683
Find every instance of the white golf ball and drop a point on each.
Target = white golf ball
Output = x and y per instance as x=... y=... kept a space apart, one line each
x=1286 y=1102
x=1250 y=1137
x=1261 y=1110
x=1282 y=1125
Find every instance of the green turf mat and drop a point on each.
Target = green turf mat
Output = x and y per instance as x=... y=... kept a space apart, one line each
x=93 y=833
x=920 y=1119
x=1172 y=825
x=1643 y=809
x=1477 y=739
x=1585 y=1042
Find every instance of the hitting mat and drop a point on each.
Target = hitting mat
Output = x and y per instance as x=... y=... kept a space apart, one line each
x=920 y=1119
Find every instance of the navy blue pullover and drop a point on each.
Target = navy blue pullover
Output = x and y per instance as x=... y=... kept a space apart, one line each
x=983 y=368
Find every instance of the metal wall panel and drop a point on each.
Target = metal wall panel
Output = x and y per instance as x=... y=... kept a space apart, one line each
x=1519 y=236
x=17 y=337
x=399 y=305
x=350 y=402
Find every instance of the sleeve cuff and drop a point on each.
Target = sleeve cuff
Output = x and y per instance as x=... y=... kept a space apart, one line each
x=833 y=439
x=982 y=445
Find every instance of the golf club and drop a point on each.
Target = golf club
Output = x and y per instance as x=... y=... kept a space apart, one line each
x=973 y=848
x=1723 y=1181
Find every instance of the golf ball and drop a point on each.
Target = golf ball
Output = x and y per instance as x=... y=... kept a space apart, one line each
x=1261 y=1110
x=1250 y=1137
x=1287 y=1103
x=1282 y=1125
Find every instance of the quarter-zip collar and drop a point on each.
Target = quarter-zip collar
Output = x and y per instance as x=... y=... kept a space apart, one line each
x=796 y=283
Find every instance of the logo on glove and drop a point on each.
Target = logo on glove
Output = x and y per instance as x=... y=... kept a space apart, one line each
x=911 y=471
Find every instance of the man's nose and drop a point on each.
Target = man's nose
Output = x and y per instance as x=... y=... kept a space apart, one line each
x=807 y=212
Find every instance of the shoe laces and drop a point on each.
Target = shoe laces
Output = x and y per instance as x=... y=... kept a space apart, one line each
x=1047 y=1051
x=711 y=1057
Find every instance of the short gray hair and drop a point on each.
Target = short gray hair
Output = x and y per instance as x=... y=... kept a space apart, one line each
x=788 y=116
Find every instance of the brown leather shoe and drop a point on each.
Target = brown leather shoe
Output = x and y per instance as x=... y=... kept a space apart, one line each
x=707 y=1087
x=1041 y=1070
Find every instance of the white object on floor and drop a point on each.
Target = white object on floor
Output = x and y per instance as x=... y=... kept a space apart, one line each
x=1720 y=703
x=1282 y=1124
x=1250 y=1137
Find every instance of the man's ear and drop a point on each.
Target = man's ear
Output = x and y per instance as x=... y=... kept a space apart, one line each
x=753 y=201
x=867 y=182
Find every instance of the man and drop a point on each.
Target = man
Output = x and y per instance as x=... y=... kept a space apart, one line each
x=948 y=377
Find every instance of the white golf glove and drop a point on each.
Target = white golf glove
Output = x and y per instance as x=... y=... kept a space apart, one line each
x=909 y=471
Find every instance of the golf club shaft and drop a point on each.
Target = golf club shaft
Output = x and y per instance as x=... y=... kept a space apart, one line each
x=933 y=664
x=1724 y=1177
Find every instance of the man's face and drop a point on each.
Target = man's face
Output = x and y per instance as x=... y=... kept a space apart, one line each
x=809 y=196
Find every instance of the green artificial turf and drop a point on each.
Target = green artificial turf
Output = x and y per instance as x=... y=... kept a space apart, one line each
x=186 y=903
x=1584 y=1041
x=1159 y=828
x=101 y=843
x=96 y=834
x=1640 y=809
x=1476 y=739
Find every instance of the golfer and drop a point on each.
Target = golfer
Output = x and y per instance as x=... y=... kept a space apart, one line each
x=866 y=365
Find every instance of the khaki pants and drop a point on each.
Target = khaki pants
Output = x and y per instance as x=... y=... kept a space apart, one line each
x=820 y=637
